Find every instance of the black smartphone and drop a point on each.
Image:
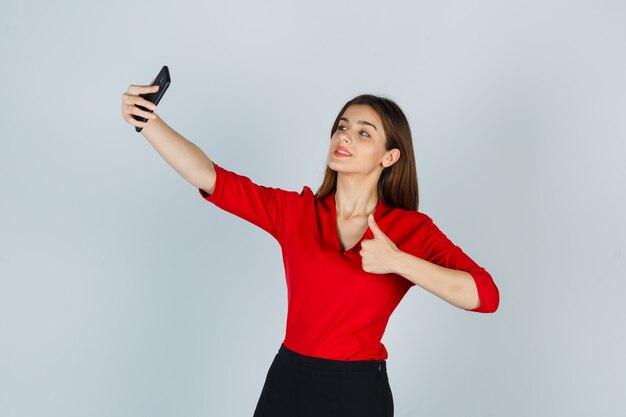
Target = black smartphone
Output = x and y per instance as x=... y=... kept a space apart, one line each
x=163 y=80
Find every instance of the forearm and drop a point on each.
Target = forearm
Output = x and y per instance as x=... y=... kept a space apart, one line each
x=182 y=155
x=455 y=287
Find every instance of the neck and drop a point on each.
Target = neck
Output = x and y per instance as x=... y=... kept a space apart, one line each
x=355 y=196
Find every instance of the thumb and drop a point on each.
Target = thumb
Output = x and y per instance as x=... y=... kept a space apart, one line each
x=375 y=229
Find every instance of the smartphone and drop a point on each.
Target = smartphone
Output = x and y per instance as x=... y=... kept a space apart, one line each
x=163 y=80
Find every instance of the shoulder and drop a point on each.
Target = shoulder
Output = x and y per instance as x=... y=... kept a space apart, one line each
x=415 y=225
x=410 y=218
x=306 y=192
x=304 y=195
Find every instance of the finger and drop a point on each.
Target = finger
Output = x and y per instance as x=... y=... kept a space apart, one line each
x=137 y=111
x=142 y=89
x=375 y=229
x=136 y=122
x=143 y=102
x=132 y=99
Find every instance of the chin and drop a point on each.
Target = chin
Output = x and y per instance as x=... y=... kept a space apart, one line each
x=338 y=170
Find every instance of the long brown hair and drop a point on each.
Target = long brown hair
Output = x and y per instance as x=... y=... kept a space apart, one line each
x=397 y=185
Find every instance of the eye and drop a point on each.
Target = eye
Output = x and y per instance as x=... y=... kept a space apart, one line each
x=362 y=131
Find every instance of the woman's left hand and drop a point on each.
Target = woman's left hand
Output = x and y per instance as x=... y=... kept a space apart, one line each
x=377 y=254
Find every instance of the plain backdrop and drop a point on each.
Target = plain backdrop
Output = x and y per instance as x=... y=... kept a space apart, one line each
x=124 y=293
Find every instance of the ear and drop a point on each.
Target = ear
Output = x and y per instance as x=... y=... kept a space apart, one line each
x=391 y=157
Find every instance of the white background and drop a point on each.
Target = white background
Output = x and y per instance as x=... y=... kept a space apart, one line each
x=123 y=293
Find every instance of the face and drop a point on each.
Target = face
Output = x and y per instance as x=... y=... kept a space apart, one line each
x=360 y=133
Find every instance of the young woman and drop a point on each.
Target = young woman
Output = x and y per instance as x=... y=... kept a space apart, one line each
x=351 y=251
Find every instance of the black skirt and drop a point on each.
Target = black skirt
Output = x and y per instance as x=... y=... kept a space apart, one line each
x=304 y=386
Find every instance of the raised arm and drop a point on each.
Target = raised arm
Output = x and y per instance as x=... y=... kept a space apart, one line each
x=182 y=155
x=266 y=207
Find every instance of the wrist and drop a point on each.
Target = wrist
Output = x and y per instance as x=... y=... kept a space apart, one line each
x=398 y=261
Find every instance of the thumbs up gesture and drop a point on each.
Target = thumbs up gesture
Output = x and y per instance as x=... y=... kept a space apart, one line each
x=377 y=254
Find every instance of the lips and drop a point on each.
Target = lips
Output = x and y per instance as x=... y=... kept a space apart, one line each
x=341 y=148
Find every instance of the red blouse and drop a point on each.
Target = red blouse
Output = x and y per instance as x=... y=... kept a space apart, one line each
x=335 y=310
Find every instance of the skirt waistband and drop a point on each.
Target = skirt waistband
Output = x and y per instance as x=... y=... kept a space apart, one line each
x=331 y=364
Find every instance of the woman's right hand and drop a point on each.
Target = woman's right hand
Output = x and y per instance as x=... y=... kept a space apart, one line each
x=131 y=98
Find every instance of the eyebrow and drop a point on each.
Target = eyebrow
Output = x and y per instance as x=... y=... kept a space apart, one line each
x=363 y=122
